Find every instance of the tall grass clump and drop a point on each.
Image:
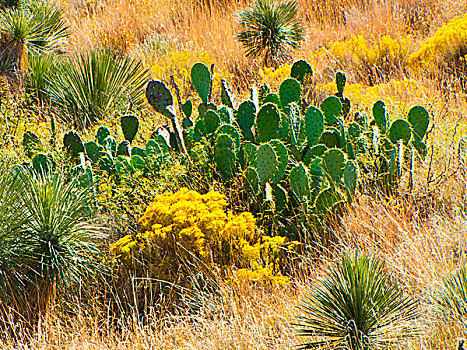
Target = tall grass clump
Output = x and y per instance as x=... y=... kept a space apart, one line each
x=50 y=239
x=94 y=85
x=356 y=306
x=271 y=31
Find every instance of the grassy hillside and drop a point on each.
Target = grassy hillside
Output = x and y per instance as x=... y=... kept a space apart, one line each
x=120 y=280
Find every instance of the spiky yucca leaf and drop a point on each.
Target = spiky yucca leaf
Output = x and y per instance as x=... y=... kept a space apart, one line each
x=95 y=83
x=39 y=27
x=356 y=306
x=451 y=298
x=270 y=30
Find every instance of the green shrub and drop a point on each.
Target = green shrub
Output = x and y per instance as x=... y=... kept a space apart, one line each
x=270 y=30
x=93 y=85
x=49 y=238
x=356 y=306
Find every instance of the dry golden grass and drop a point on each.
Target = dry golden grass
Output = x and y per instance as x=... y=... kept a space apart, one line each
x=421 y=238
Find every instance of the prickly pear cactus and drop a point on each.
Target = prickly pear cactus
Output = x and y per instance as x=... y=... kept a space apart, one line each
x=102 y=134
x=380 y=117
x=299 y=181
x=326 y=200
x=267 y=123
x=249 y=153
x=332 y=108
x=137 y=162
x=110 y=145
x=225 y=157
x=354 y=131
x=201 y=78
x=419 y=118
x=226 y=115
x=73 y=143
x=341 y=79
x=246 y=115
x=265 y=162
x=153 y=149
x=301 y=71
x=160 y=98
x=92 y=151
x=282 y=160
x=350 y=178
x=314 y=122
x=124 y=149
x=331 y=138
x=314 y=152
x=334 y=164
x=272 y=98
x=31 y=143
x=129 y=124
x=138 y=151
x=227 y=96
x=290 y=91
x=232 y=131
x=400 y=130
x=187 y=108
x=293 y=113
x=211 y=122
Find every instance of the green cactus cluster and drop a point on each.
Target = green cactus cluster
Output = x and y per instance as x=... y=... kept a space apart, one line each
x=295 y=155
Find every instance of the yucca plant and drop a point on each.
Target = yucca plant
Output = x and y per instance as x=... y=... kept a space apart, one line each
x=52 y=239
x=356 y=306
x=270 y=30
x=451 y=298
x=93 y=85
x=36 y=27
x=41 y=67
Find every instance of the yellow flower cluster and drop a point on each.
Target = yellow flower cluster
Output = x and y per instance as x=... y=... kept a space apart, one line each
x=372 y=52
x=189 y=228
x=274 y=77
x=449 y=41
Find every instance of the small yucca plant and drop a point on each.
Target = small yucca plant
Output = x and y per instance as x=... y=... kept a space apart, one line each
x=451 y=298
x=270 y=30
x=356 y=306
x=95 y=83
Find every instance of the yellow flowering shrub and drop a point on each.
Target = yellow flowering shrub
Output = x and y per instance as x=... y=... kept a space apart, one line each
x=379 y=57
x=274 y=76
x=187 y=228
x=449 y=41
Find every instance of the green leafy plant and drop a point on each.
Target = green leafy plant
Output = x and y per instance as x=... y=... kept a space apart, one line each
x=51 y=238
x=356 y=306
x=270 y=30
x=93 y=84
x=451 y=298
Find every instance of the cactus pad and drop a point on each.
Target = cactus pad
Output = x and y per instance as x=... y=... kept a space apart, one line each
x=341 y=79
x=246 y=115
x=201 y=78
x=224 y=156
x=419 y=118
x=331 y=138
x=267 y=123
x=160 y=98
x=351 y=176
x=102 y=134
x=301 y=71
x=354 y=131
x=272 y=98
x=290 y=91
x=380 y=117
x=280 y=197
x=226 y=115
x=129 y=124
x=187 y=108
x=333 y=164
x=314 y=152
x=73 y=143
x=211 y=122
x=232 y=131
x=300 y=182
x=314 y=122
x=153 y=149
x=42 y=164
x=265 y=162
x=137 y=162
x=92 y=151
x=327 y=199
x=282 y=160
x=400 y=130
x=332 y=108
x=249 y=153
x=124 y=149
